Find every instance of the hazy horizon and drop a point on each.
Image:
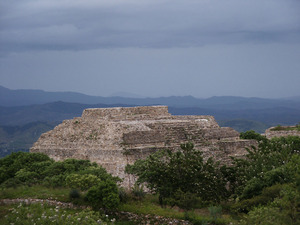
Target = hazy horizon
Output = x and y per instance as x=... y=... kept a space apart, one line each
x=133 y=95
x=152 y=48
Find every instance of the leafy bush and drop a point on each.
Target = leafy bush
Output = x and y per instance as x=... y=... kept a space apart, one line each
x=11 y=183
x=14 y=162
x=268 y=195
x=123 y=195
x=104 y=195
x=289 y=202
x=166 y=172
x=37 y=168
x=246 y=205
x=26 y=176
x=280 y=175
x=266 y=215
x=251 y=134
x=184 y=200
x=83 y=182
x=138 y=191
x=283 y=210
x=270 y=163
x=99 y=172
x=74 y=193
x=55 y=181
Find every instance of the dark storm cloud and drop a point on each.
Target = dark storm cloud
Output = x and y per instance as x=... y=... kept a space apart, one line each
x=90 y=24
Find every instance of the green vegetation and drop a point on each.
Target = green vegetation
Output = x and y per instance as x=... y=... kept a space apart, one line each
x=251 y=134
x=267 y=180
x=149 y=205
x=19 y=170
x=35 y=192
x=283 y=128
x=261 y=188
x=179 y=177
x=44 y=214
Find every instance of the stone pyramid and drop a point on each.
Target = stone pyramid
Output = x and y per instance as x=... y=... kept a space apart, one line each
x=114 y=137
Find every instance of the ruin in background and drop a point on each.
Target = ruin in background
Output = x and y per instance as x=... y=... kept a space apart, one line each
x=115 y=137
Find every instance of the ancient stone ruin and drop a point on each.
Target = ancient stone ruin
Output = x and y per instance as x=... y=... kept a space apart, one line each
x=114 y=137
x=283 y=132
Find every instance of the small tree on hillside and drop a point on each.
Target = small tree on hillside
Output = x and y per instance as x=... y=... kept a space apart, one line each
x=184 y=171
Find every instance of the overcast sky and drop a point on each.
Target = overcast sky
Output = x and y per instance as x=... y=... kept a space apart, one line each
x=152 y=47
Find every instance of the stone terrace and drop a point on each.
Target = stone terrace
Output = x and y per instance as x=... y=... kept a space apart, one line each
x=114 y=137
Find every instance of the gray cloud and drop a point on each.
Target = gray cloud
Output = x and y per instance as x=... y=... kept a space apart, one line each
x=82 y=25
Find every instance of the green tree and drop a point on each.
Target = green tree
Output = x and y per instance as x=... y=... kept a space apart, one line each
x=183 y=171
x=263 y=166
x=285 y=209
x=103 y=195
x=251 y=134
x=14 y=162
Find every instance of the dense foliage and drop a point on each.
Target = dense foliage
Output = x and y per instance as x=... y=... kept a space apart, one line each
x=36 y=168
x=273 y=161
x=181 y=175
x=263 y=187
x=264 y=182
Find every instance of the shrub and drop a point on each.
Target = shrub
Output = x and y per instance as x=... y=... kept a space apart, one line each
x=11 y=183
x=251 y=134
x=165 y=172
x=215 y=212
x=74 y=193
x=55 y=181
x=83 y=182
x=253 y=188
x=246 y=205
x=105 y=195
x=267 y=196
x=274 y=161
x=266 y=215
x=26 y=176
x=138 y=191
x=283 y=210
x=184 y=200
x=286 y=173
x=14 y=162
x=289 y=202
x=123 y=195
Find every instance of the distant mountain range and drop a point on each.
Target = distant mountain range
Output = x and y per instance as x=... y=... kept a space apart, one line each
x=30 y=97
x=25 y=114
x=21 y=138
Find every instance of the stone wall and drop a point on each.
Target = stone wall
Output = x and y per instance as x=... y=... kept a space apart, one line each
x=270 y=133
x=129 y=113
x=115 y=137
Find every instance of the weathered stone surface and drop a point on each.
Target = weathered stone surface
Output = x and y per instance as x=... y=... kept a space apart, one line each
x=114 y=137
x=270 y=133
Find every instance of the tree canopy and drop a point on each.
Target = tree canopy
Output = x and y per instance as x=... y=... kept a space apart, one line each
x=170 y=173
